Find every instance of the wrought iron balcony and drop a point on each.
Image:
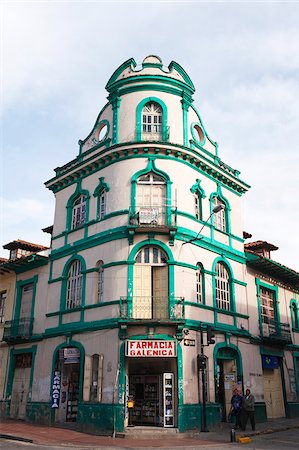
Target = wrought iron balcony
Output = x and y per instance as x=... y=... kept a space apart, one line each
x=276 y=331
x=152 y=216
x=152 y=308
x=18 y=330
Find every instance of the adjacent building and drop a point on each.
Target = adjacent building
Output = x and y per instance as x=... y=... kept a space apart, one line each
x=149 y=309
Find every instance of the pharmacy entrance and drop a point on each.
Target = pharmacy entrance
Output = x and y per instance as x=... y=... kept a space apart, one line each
x=151 y=383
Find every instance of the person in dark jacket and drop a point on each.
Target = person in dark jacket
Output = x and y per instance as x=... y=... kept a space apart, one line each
x=236 y=405
x=248 y=410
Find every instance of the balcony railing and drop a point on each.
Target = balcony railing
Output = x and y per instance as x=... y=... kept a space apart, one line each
x=152 y=216
x=18 y=329
x=276 y=331
x=152 y=308
x=155 y=132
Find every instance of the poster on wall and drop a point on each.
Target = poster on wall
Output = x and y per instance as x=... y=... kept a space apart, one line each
x=56 y=389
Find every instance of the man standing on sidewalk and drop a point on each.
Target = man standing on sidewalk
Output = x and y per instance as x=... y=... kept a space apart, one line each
x=248 y=410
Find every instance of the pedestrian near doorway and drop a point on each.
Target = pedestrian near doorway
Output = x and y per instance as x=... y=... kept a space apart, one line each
x=248 y=410
x=236 y=405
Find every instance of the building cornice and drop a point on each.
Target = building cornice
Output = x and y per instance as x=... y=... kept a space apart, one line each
x=80 y=168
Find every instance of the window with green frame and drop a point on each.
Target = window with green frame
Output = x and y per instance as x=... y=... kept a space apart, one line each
x=294 y=314
x=74 y=285
x=222 y=287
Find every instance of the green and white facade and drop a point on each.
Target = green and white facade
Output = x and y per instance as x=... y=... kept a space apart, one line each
x=139 y=263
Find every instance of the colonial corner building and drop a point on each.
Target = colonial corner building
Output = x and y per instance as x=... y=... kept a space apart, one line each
x=149 y=308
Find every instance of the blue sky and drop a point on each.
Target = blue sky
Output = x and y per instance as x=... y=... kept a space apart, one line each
x=243 y=58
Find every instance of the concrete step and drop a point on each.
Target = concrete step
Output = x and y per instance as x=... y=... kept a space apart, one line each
x=145 y=432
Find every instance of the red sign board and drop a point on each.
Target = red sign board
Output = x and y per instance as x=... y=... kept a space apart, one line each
x=151 y=348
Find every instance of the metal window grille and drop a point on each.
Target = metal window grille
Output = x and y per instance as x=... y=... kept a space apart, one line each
x=3 y=296
x=197 y=205
x=267 y=304
x=79 y=212
x=219 y=217
x=100 y=283
x=222 y=287
x=199 y=285
x=151 y=255
x=152 y=118
x=102 y=205
x=74 y=285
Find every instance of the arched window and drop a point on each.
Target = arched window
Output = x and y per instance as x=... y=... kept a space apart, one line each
x=102 y=202
x=199 y=284
x=199 y=194
x=151 y=199
x=74 y=285
x=220 y=216
x=152 y=121
x=223 y=289
x=100 y=282
x=150 y=299
x=79 y=212
x=100 y=193
x=294 y=314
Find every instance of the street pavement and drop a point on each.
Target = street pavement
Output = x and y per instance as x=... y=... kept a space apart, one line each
x=25 y=434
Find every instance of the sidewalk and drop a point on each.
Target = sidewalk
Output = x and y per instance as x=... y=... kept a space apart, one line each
x=39 y=434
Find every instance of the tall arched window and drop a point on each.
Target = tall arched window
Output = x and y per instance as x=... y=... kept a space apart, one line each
x=101 y=194
x=223 y=289
x=79 y=212
x=199 y=284
x=74 y=285
x=151 y=199
x=100 y=282
x=150 y=300
x=152 y=121
x=220 y=217
x=199 y=195
x=294 y=314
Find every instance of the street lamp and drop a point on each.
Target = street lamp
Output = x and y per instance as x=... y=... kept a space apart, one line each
x=215 y=210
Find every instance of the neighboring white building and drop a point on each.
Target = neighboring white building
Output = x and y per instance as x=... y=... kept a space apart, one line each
x=147 y=255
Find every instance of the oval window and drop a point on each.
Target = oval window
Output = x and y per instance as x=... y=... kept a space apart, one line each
x=103 y=131
x=198 y=134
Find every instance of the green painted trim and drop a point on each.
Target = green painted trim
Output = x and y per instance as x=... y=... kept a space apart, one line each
x=91 y=241
x=232 y=290
x=82 y=142
x=121 y=212
x=194 y=162
x=296 y=370
x=227 y=210
x=217 y=349
x=63 y=291
x=139 y=109
x=70 y=343
x=131 y=261
x=19 y=291
x=259 y=283
x=11 y=369
x=81 y=327
x=271 y=352
x=294 y=309
x=205 y=131
x=212 y=308
x=115 y=108
x=192 y=126
x=185 y=235
x=185 y=107
x=94 y=305
x=151 y=167
x=70 y=204
x=101 y=187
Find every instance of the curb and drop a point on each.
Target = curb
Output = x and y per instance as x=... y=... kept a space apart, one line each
x=15 y=438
